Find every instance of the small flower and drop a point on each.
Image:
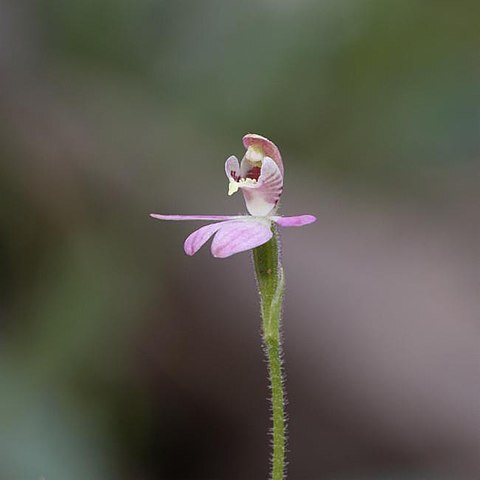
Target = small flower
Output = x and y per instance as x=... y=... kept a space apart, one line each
x=260 y=177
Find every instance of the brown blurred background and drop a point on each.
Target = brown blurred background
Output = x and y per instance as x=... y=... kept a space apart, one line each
x=120 y=357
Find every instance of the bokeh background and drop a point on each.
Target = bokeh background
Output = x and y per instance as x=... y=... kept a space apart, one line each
x=120 y=357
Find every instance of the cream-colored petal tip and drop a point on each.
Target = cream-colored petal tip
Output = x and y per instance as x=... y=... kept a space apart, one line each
x=232 y=187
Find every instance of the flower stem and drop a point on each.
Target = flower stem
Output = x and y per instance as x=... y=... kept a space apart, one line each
x=271 y=286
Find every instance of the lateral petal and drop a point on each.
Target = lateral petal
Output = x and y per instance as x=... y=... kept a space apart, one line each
x=296 y=221
x=232 y=168
x=158 y=216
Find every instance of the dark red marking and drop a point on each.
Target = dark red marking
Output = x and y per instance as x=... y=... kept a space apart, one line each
x=254 y=173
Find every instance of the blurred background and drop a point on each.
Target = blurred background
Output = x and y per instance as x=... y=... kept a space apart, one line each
x=120 y=357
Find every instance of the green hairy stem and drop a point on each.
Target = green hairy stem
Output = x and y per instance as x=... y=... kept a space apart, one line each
x=271 y=286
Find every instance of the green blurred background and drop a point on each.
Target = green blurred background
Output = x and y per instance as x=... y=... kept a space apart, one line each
x=121 y=358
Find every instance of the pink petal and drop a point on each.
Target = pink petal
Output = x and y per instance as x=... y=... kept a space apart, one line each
x=262 y=197
x=232 y=167
x=238 y=236
x=194 y=217
x=297 y=221
x=199 y=237
x=270 y=149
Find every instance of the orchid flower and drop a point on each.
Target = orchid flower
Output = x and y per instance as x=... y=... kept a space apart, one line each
x=260 y=178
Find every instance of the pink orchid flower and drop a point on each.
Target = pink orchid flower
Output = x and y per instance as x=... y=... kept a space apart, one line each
x=260 y=177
